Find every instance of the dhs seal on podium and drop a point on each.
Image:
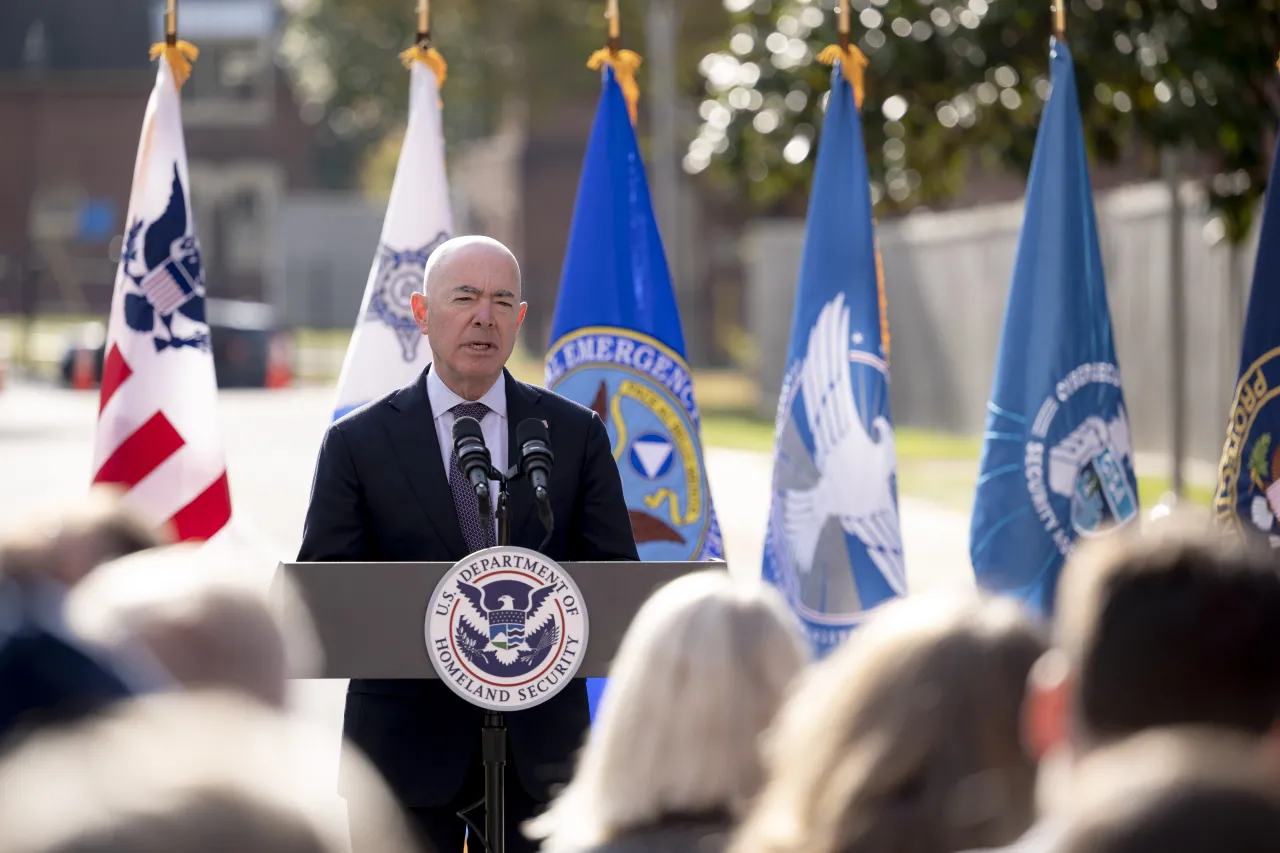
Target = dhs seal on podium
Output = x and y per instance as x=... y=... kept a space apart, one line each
x=506 y=628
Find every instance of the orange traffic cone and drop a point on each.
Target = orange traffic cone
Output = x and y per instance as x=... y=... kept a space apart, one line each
x=279 y=363
x=82 y=378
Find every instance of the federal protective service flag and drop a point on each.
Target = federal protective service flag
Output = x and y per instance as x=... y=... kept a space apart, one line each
x=619 y=348
x=1057 y=458
x=387 y=349
x=158 y=436
x=1249 y=473
x=833 y=544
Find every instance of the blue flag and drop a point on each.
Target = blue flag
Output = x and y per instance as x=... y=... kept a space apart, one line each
x=833 y=544
x=619 y=349
x=1249 y=473
x=1057 y=457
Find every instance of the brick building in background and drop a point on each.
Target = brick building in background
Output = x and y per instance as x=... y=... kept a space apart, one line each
x=75 y=76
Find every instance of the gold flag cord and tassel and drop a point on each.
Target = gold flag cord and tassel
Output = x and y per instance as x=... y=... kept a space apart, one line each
x=853 y=62
x=423 y=51
x=625 y=63
x=179 y=54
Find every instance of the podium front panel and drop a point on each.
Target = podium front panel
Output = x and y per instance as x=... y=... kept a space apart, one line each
x=370 y=618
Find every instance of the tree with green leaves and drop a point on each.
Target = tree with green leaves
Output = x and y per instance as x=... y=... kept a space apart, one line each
x=344 y=58
x=953 y=86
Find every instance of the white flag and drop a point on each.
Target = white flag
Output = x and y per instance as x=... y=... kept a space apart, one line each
x=387 y=350
x=158 y=435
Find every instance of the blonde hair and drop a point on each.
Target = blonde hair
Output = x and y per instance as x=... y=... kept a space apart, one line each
x=905 y=738
x=699 y=675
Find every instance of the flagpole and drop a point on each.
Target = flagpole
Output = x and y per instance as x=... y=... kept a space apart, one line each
x=424 y=21
x=615 y=26
x=843 y=30
x=171 y=23
x=1059 y=20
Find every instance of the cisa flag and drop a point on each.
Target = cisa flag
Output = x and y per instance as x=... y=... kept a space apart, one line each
x=1057 y=458
x=1249 y=472
x=833 y=544
x=387 y=350
x=157 y=434
x=619 y=347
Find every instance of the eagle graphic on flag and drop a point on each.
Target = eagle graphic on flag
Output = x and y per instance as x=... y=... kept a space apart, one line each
x=158 y=437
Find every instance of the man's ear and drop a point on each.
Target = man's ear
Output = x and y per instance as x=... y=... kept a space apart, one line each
x=524 y=307
x=1046 y=710
x=418 y=304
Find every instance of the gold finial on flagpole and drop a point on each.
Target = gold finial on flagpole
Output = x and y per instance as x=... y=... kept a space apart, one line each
x=179 y=54
x=1060 y=20
x=623 y=62
x=853 y=63
x=422 y=50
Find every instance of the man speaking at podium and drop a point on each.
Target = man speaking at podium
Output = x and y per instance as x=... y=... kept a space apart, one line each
x=388 y=488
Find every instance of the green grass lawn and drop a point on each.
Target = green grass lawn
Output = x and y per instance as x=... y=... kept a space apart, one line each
x=934 y=465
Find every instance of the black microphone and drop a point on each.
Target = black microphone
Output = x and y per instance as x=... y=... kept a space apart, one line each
x=473 y=457
x=535 y=463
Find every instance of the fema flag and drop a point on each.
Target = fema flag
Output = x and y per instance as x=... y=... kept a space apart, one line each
x=387 y=349
x=1057 y=458
x=618 y=346
x=833 y=544
x=1248 y=495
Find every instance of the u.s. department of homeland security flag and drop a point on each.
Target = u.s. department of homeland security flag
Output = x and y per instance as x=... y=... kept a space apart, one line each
x=387 y=349
x=833 y=544
x=1057 y=457
x=1249 y=472
x=157 y=437
x=618 y=347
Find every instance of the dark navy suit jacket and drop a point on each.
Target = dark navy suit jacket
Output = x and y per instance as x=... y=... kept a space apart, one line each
x=381 y=493
x=46 y=674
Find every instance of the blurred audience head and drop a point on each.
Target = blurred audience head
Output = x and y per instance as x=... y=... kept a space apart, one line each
x=1174 y=791
x=206 y=621
x=66 y=544
x=1176 y=623
x=700 y=673
x=181 y=773
x=905 y=738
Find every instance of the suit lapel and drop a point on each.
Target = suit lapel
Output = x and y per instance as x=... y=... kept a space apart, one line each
x=522 y=402
x=413 y=439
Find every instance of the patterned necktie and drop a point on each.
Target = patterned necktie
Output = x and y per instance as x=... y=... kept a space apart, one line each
x=477 y=534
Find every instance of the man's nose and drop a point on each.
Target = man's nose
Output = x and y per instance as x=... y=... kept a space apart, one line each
x=484 y=314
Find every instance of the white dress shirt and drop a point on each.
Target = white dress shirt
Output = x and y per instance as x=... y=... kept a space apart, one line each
x=493 y=425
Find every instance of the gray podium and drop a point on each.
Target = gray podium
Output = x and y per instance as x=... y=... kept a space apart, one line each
x=370 y=617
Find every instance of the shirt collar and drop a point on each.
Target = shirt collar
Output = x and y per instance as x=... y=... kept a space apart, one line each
x=443 y=398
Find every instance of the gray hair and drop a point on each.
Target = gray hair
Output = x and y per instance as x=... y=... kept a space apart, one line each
x=700 y=673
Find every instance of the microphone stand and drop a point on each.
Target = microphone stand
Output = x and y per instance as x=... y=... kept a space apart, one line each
x=493 y=733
